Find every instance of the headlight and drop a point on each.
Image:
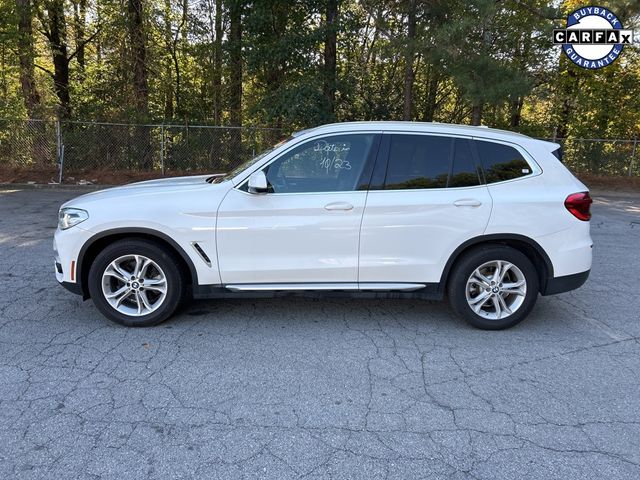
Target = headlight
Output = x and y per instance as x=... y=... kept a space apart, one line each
x=68 y=217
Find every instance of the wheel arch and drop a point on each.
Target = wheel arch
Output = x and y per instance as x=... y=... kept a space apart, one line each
x=523 y=244
x=99 y=241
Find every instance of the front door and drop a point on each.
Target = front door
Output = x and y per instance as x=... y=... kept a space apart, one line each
x=306 y=229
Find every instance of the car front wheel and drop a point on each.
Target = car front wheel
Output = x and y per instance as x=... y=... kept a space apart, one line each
x=493 y=287
x=136 y=283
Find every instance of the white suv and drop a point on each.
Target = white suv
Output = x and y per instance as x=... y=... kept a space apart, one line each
x=372 y=209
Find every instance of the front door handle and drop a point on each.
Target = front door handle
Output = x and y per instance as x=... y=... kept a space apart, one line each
x=467 y=202
x=338 y=206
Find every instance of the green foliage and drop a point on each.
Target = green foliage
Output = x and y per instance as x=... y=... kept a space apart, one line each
x=476 y=57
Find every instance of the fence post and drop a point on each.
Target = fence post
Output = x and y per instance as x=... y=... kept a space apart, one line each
x=633 y=153
x=162 y=148
x=59 y=150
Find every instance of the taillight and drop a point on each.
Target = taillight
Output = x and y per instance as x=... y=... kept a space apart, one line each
x=579 y=204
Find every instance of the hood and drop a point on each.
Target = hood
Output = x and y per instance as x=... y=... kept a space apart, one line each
x=164 y=187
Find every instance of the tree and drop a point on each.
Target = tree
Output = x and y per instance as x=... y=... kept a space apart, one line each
x=235 y=62
x=25 y=52
x=79 y=20
x=138 y=52
x=330 y=56
x=409 y=60
x=298 y=64
x=217 y=65
x=54 y=27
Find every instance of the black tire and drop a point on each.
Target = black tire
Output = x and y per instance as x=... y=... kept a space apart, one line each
x=163 y=257
x=473 y=259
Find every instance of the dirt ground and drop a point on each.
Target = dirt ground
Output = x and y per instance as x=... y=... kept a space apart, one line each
x=97 y=177
x=110 y=177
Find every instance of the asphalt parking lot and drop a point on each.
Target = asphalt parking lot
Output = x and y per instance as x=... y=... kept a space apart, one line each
x=304 y=388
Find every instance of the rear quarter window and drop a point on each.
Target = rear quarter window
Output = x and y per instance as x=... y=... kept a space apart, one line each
x=558 y=153
x=501 y=162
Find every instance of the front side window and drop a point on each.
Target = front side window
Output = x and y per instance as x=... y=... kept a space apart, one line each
x=501 y=162
x=328 y=164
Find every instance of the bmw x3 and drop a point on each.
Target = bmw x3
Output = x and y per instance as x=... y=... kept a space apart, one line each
x=486 y=218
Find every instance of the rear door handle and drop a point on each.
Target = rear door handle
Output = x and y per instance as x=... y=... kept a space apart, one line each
x=338 y=206
x=467 y=202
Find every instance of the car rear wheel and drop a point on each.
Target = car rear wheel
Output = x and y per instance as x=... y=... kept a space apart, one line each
x=136 y=283
x=493 y=287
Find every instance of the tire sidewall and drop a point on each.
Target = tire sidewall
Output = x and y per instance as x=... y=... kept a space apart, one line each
x=471 y=261
x=157 y=253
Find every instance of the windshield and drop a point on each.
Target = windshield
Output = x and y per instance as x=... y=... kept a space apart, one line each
x=244 y=165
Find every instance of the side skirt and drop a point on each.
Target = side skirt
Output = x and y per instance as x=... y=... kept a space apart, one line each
x=429 y=291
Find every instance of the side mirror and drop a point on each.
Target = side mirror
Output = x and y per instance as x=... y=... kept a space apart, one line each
x=258 y=182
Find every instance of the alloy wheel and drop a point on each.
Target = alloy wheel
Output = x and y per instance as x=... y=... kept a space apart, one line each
x=496 y=289
x=134 y=285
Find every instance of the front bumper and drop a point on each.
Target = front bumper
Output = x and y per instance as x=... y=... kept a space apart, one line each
x=73 y=287
x=66 y=247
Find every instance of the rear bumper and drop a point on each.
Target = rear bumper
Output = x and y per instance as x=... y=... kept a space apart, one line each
x=564 y=284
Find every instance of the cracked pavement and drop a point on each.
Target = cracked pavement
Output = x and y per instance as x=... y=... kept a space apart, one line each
x=307 y=388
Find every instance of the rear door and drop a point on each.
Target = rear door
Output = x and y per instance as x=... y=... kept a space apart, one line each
x=425 y=200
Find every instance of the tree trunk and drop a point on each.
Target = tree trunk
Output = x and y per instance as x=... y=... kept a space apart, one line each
x=330 y=54
x=235 y=80
x=174 y=55
x=168 y=84
x=432 y=96
x=58 y=41
x=235 y=60
x=409 y=74
x=515 y=112
x=98 y=39
x=567 y=89
x=217 y=66
x=138 y=47
x=80 y=19
x=30 y=94
x=139 y=57
x=476 y=114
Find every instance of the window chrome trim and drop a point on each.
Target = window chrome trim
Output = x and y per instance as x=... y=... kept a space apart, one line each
x=341 y=192
x=240 y=179
x=439 y=189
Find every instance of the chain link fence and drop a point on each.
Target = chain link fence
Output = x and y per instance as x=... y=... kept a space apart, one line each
x=28 y=143
x=609 y=157
x=71 y=149
x=93 y=148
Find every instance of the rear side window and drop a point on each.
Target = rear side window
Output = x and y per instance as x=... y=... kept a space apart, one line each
x=501 y=162
x=428 y=161
x=464 y=172
x=418 y=161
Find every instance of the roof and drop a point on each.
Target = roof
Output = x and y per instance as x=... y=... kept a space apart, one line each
x=433 y=127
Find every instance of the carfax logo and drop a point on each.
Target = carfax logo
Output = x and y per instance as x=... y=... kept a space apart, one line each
x=594 y=37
